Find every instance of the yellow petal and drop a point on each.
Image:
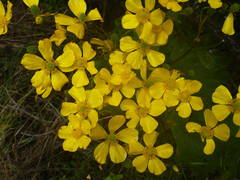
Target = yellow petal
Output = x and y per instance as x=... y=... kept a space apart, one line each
x=47 y=91
x=115 y=123
x=64 y=132
x=193 y=127
x=98 y=132
x=143 y=98
x=168 y=26
x=94 y=98
x=135 y=59
x=128 y=104
x=9 y=11
x=71 y=46
x=31 y=3
x=129 y=21
x=127 y=135
x=194 y=86
x=156 y=166
x=128 y=91
x=68 y=108
x=94 y=15
x=150 y=139
x=45 y=48
x=88 y=52
x=157 y=107
x=215 y=3
x=132 y=123
x=148 y=124
x=83 y=142
x=140 y=163
x=77 y=7
x=115 y=99
x=155 y=58
x=80 y=78
x=64 y=20
x=58 y=37
x=78 y=94
x=147 y=35
x=236 y=118
x=170 y=98
x=66 y=59
x=196 y=103
x=221 y=112
x=32 y=62
x=162 y=38
x=117 y=153
x=238 y=134
x=77 y=29
x=93 y=117
x=58 y=80
x=160 y=74
x=222 y=132
x=157 y=16
x=221 y=95
x=210 y=119
x=70 y=145
x=164 y=151
x=135 y=148
x=91 y=67
x=127 y=44
x=101 y=152
x=149 y=4
x=209 y=147
x=2 y=9
x=39 y=77
x=133 y=5
x=116 y=57
x=184 y=110
x=157 y=90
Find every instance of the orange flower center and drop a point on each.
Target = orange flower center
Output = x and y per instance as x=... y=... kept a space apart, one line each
x=142 y=112
x=76 y=133
x=142 y=15
x=206 y=132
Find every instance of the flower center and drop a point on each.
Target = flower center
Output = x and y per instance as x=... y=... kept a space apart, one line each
x=82 y=17
x=83 y=110
x=142 y=15
x=50 y=66
x=150 y=151
x=171 y=85
x=148 y=83
x=142 y=112
x=76 y=133
x=184 y=97
x=206 y=132
x=157 y=29
x=112 y=138
x=81 y=64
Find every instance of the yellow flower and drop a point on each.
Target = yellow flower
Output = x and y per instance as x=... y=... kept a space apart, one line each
x=85 y=102
x=123 y=80
x=166 y=87
x=138 y=50
x=143 y=111
x=228 y=26
x=48 y=76
x=5 y=17
x=210 y=130
x=75 y=134
x=105 y=45
x=31 y=3
x=111 y=144
x=77 y=25
x=149 y=154
x=59 y=35
x=140 y=16
x=81 y=63
x=187 y=101
x=215 y=3
x=226 y=104
x=171 y=4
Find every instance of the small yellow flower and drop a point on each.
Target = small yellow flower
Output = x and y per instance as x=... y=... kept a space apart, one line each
x=149 y=154
x=111 y=144
x=77 y=25
x=210 y=130
x=5 y=17
x=226 y=104
x=228 y=26
x=48 y=76
x=105 y=45
x=122 y=80
x=187 y=101
x=81 y=63
x=75 y=134
x=143 y=111
x=85 y=104
x=59 y=35
x=138 y=50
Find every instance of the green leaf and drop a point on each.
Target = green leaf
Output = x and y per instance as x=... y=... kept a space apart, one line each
x=113 y=176
x=235 y=7
x=31 y=49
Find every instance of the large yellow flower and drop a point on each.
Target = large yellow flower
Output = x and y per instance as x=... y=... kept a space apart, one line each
x=122 y=81
x=143 y=111
x=111 y=144
x=48 y=76
x=141 y=17
x=166 y=87
x=210 y=130
x=138 y=50
x=149 y=154
x=5 y=17
x=226 y=104
x=75 y=134
x=187 y=101
x=81 y=63
x=77 y=25
x=228 y=26
x=85 y=102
